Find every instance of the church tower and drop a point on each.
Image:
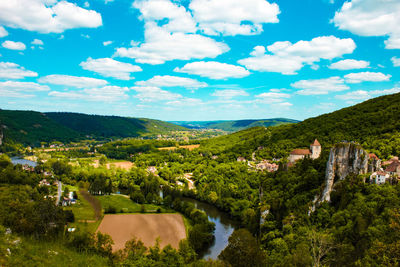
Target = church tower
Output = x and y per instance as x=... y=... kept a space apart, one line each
x=315 y=149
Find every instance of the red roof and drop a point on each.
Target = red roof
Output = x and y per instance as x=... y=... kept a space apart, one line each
x=393 y=166
x=316 y=143
x=373 y=156
x=300 y=152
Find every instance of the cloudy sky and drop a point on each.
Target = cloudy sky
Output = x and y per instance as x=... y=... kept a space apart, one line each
x=198 y=59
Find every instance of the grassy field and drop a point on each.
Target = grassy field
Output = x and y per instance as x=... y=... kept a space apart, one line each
x=124 y=204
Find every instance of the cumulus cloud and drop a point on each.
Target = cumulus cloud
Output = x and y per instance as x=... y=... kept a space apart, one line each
x=364 y=95
x=178 y=19
x=106 y=43
x=287 y=58
x=47 y=16
x=37 y=42
x=371 y=18
x=3 y=32
x=109 y=67
x=172 y=81
x=9 y=70
x=349 y=64
x=101 y=94
x=366 y=77
x=21 y=89
x=233 y=17
x=154 y=94
x=320 y=86
x=229 y=93
x=273 y=96
x=214 y=70
x=161 y=45
x=14 y=45
x=74 y=81
x=396 y=61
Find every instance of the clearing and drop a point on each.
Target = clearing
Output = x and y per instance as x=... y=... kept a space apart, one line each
x=170 y=228
x=190 y=147
x=124 y=204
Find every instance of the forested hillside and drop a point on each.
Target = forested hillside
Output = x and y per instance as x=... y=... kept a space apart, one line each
x=235 y=125
x=31 y=128
x=372 y=123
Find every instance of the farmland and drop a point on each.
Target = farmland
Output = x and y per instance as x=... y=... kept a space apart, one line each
x=169 y=228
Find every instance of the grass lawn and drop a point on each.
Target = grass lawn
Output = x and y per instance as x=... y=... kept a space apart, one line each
x=124 y=204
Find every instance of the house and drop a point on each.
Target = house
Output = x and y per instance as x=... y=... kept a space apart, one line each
x=314 y=152
x=44 y=182
x=266 y=165
x=241 y=159
x=393 y=168
x=379 y=177
x=388 y=162
x=153 y=170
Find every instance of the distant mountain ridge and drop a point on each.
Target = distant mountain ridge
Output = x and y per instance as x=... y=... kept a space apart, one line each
x=234 y=125
x=31 y=127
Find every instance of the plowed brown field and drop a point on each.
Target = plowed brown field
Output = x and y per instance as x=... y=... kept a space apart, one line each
x=146 y=227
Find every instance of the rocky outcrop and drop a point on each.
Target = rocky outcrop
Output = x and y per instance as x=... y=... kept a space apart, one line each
x=344 y=159
x=1 y=135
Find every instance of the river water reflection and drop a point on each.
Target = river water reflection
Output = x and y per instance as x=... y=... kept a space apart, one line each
x=224 y=227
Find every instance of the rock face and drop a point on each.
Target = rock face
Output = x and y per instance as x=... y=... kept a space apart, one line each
x=344 y=159
x=1 y=135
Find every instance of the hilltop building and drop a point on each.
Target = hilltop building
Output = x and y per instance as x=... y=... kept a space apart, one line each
x=314 y=152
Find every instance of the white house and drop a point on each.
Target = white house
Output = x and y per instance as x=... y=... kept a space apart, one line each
x=379 y=177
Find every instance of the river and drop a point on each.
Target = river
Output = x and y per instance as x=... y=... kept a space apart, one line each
x=224 y=227
x=17 y=160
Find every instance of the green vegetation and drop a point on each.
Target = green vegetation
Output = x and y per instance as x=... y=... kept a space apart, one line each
x=233 y=126
x=31 y=128
x=123 y=204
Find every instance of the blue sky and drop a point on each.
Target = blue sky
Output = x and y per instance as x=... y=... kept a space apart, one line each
x=198 y=59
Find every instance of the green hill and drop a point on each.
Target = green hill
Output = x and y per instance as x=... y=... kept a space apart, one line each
x=31 y=128
x=235 y=125
x=370 y=123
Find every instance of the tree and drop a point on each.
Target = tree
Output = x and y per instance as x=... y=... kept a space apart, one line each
x=321 y=244
x=243 y=250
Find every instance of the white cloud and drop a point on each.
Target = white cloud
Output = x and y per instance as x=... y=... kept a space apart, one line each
x=9 y=70
x=272 y=96
x=47 y=16
x=86 y=4
x=74 y=81
x=101 y=94
x=364 y=95
x=371 y=18
x=287 y=58
x=37 y=42
x=106 y=43
x=214 y=70
x=320 y=86
x=86 y=36
x=21 y=89
x=229 y=93
x=349 y=64
x=3 y=32
x=154 y=94
x=188 y=102
x=14 y=45
x=179 y=20
x=366 y=77
x=161 y=45
x=233 y=17
x=109 y=67
x=396 y=61
x=172 y=81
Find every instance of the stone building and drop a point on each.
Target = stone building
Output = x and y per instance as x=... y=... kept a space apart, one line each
x=314 y=152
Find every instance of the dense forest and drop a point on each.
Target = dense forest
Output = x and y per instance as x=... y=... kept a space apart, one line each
x=234 y=126
x=31 y=128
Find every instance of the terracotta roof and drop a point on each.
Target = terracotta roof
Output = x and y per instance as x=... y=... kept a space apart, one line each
x=393 y=166
x=300 y=152
x=373 y=156
x=381 y=173
x=316 y=143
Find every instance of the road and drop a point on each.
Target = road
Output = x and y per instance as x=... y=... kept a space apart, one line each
x=59 y=192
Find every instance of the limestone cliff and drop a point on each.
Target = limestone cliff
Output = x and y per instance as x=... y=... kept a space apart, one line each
x=344 y=159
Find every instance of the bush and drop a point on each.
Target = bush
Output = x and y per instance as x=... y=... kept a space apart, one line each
x=110 y=210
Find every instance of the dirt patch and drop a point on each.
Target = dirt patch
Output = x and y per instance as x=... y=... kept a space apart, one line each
x=126 y=165
x=190 y=147
x=95 y=203
x=146 y=227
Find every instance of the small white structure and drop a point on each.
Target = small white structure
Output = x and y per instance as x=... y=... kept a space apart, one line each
x=379 y=177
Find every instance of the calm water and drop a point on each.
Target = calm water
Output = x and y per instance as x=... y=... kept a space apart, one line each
x=16 y=160
x=224 y=227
